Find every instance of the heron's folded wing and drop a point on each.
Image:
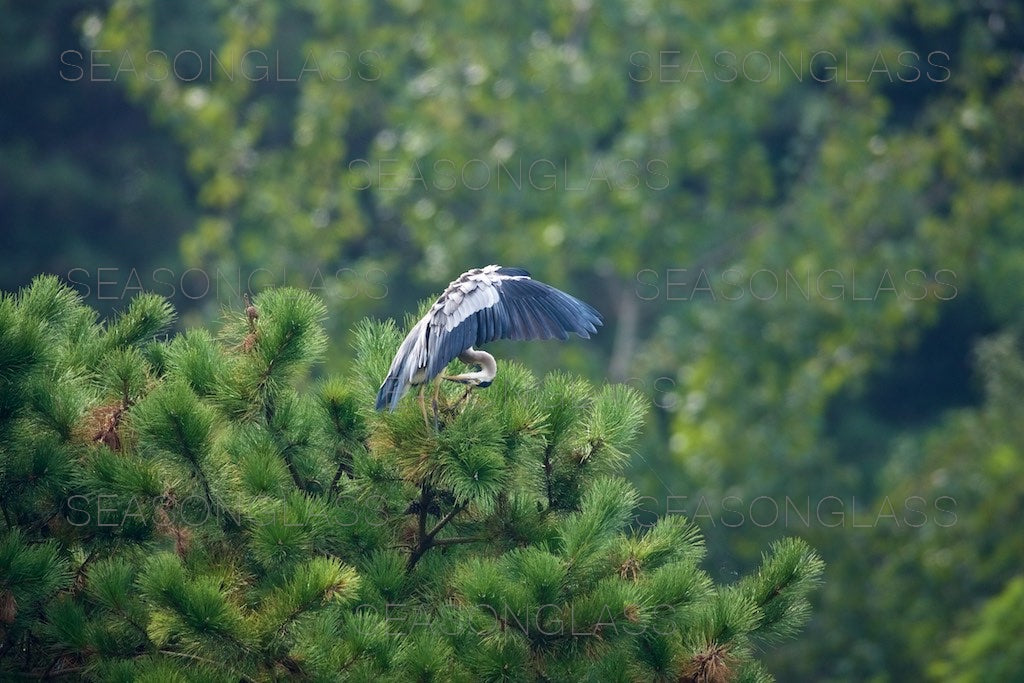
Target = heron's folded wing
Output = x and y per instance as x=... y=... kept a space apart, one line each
x=410 y=356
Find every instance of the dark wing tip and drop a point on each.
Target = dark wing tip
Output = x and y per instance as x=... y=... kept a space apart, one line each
x=596 y=319
x=539 y=311
x=591 y=321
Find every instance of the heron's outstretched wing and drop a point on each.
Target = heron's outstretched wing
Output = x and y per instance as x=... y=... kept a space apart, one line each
x=483 y=305
x=503 y=303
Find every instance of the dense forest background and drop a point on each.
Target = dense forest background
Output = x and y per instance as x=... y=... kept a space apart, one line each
x=804 y=224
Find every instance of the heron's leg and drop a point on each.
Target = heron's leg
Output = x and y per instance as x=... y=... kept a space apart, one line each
x=423 y=406
x=437 y=393
x=464 y=396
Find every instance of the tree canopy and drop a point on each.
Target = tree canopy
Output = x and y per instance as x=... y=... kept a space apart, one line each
x=179 y=510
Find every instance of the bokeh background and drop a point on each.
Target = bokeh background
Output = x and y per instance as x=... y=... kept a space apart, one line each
x=804 y=223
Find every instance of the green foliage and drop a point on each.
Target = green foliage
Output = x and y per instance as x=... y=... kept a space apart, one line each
x=181 y=510
x=92 y=191
x=991 y=647
x=32 y=573
x=405 y=153
x=146 y=315
x=788 y=573
x=971 y=470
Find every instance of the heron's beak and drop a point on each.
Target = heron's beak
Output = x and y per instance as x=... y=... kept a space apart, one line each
x=462 y=379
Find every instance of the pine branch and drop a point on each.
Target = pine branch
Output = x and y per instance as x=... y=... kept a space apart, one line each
x=421 y=525
x=7 y=517
x=41 y=522
x=457 y=540
x=548 y=467
x=447 y=518
x=269 y=409
x=136 y=625
x=426 y=538
x=48 y=674
x=264 y=378
x=344 y=467
x=80 y=574
x=204 y=660
x=296 y=478
x=193 y=458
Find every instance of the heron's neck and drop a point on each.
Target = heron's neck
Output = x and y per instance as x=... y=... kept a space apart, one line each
x=488 y=367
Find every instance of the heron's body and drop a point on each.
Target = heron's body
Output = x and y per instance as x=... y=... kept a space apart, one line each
x=482 y=305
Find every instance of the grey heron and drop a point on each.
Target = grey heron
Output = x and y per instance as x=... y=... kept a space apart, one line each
x=480 y=306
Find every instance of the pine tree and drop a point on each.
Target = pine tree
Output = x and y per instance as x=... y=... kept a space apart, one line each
x=198 y=509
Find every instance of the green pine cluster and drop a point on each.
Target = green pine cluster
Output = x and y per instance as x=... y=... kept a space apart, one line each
x=195 y=508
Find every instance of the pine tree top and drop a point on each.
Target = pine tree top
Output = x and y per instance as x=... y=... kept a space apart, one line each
x=198 y=508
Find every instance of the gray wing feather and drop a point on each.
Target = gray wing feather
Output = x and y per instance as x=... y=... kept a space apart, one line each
x=411 y=354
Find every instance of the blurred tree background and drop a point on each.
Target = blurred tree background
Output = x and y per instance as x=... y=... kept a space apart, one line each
x=804 y=223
